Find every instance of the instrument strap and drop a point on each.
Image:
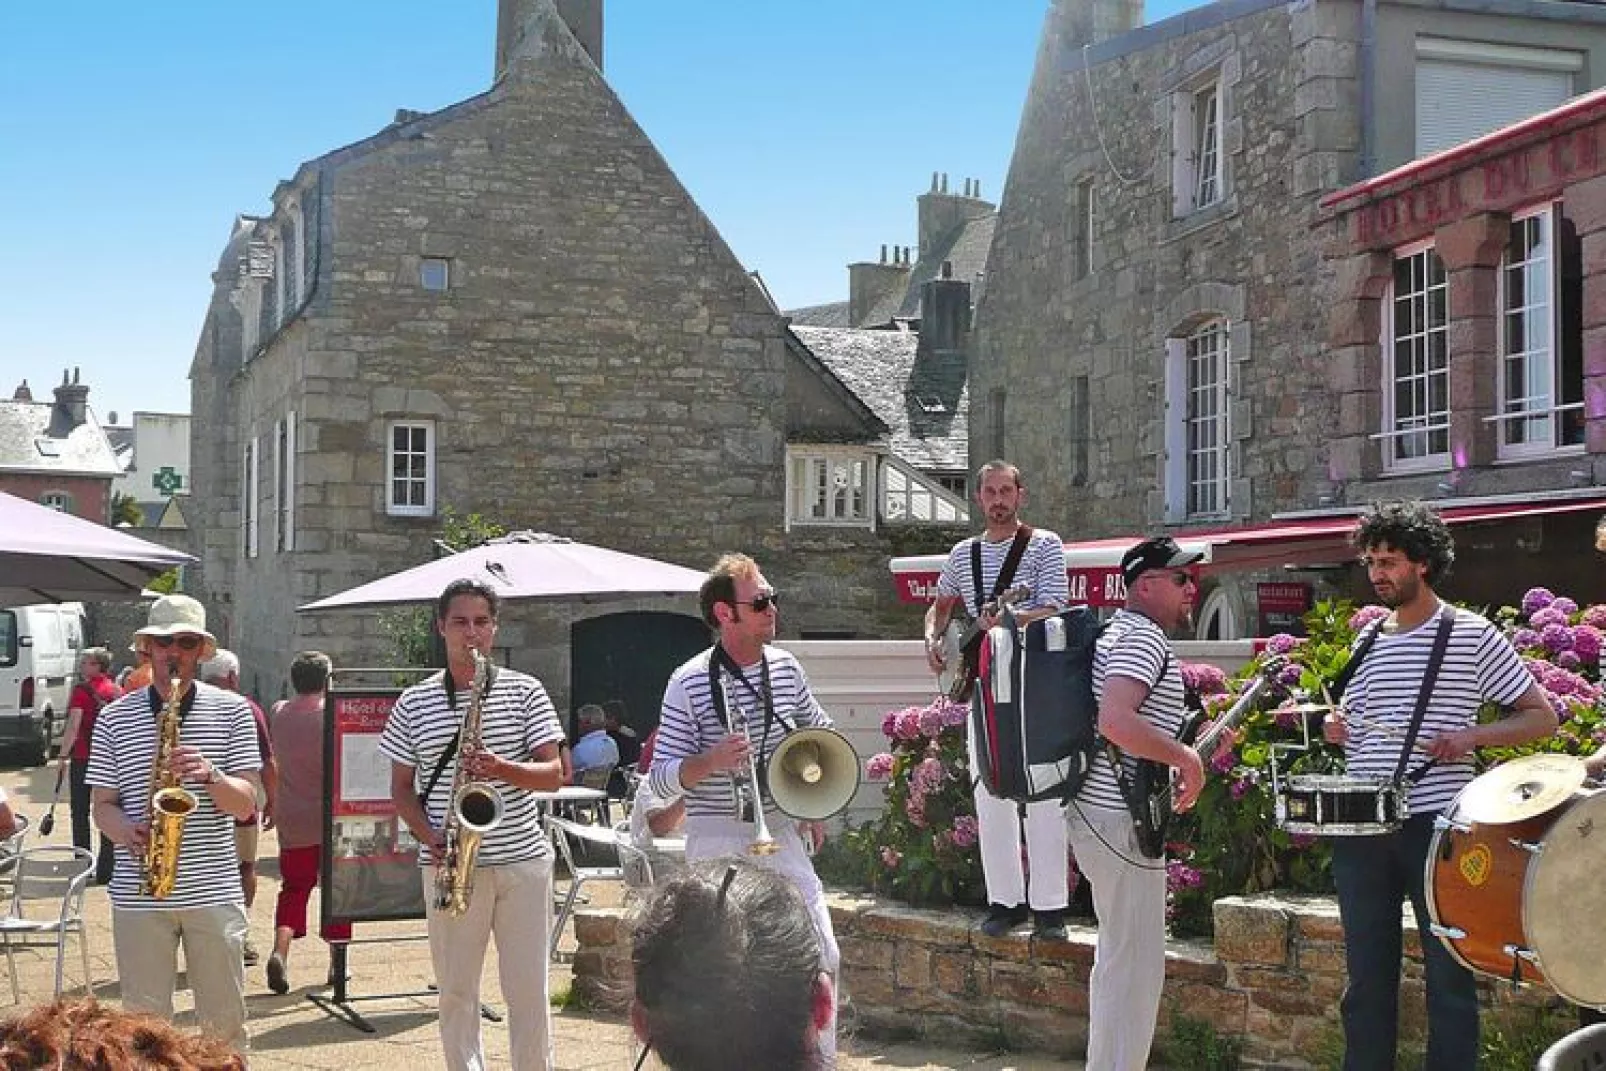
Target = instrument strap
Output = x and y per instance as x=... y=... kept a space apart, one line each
x=1006 y=572
x=1362 y=647
x=1441 y=643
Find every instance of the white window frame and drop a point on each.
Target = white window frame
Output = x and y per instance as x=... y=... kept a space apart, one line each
x=812 y=472
x=1198 y=478
x=60 y=501
x=1221 y=608
x=1540 y=411
x=284 y=483
x=250 y=488
x=1395 y=431
x=427 y=479
x=1198 y=171
x=424 y=263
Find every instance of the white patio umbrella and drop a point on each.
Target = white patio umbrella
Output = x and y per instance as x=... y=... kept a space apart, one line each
x=524 y=565
x=50 y=556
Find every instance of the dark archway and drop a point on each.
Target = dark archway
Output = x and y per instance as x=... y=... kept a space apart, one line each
x=630 y=656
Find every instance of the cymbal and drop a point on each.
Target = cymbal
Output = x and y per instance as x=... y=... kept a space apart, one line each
x=1522 y=788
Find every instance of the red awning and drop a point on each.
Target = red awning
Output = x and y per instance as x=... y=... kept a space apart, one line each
x=1094 y=565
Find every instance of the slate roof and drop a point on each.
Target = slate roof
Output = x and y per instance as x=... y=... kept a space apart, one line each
x=34 y=439
x=922 y=397
x=966 y=248
x=833 y=315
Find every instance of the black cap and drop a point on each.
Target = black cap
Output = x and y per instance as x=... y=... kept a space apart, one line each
x=1151 y=554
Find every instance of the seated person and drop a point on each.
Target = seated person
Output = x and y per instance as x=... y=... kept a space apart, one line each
x=73 y=1034
x=595 y=749
x=729 y=934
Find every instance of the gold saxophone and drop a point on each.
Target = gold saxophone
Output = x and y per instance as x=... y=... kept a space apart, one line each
x=474 y=810
x=170 y=801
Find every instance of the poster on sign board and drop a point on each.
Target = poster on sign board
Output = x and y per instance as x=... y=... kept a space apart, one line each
x=1282 y=608
x=370 y=859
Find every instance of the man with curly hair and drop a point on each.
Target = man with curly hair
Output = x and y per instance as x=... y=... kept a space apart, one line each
x=1407 y=551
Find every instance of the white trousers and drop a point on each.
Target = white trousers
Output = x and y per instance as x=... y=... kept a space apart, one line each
x=998 y=834
x=715 y=838
x=514 y=902
x=213 y=938
x=1129 y=960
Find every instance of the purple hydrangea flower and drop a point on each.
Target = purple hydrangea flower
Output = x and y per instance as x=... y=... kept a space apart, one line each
x=1587 y=643
x=929 y=775
x=1546 y=618
x=1564 y=605
x=879 y=768
x=915 y=808
x=1569 y=660
x=965 y=831
x=1281 y=643
x=953 y=714
x=1223 y=760
x=1525 y=639
x=1536 y=599
x=1240 y=787
x=1366 y=615
x=931 y=722
x=907 y=727
x=1203 y=678
x=889 y=724
x=1556 y=638
x=890 y=858
x=1180 y=875
x=1289 y=675
x=1595 y=617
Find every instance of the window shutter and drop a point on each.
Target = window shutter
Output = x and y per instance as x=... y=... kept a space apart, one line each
x=1457 y=101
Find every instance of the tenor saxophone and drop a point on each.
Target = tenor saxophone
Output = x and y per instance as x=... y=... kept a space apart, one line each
x=474 y=810
x=170 y=802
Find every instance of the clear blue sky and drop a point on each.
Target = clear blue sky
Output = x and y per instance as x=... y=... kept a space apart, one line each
x=133 y=133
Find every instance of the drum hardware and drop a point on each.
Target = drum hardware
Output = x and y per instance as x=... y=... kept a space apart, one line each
x=1444 y=821
x=1531 y=847
x=1332 y=805
x=1448 y=933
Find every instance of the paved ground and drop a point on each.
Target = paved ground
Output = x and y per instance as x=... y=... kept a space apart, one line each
x=292 y=1032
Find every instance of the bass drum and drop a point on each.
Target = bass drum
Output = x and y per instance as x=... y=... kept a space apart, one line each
x=1522 y=900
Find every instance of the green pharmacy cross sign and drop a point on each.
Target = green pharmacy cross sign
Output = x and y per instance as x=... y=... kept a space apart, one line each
x=167 y=481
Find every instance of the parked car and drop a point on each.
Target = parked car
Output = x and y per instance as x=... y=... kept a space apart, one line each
x=39 y=651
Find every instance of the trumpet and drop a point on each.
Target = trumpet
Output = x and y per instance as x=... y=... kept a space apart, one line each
x=746 y=795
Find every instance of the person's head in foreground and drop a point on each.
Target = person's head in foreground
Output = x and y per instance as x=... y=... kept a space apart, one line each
x=728 y=972
x=73 y=1034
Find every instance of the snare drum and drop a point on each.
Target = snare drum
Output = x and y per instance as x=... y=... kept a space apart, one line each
x=1523 y=900
x=1333 y=805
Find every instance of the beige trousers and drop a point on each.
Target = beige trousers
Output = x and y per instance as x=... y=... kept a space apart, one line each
x=147 y=964
x=515 y=903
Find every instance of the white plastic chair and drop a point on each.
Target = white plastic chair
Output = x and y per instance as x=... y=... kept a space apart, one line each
x=41 y=875
x=565 y=834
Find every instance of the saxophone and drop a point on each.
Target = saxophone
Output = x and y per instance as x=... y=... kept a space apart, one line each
x=170 y=801
x=474 y=810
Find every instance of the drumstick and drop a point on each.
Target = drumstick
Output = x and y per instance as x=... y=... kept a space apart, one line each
x=1382 y=727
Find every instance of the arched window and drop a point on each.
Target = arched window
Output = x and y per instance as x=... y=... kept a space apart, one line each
x=1218 y=617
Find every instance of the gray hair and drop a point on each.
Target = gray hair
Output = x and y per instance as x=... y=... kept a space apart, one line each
x=591 y=717
x=220 y=667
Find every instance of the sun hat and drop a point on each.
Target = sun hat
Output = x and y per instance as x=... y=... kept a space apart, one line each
x=176 y=615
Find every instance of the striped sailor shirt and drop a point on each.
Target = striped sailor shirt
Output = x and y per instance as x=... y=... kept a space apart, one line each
x=689 y=725
x=1042 y=568
x=1133 y=646
x=122 y=753
x=1479 y=666
x=516 y=718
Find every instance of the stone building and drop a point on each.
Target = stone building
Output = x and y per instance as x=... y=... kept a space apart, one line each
x=56 y=452
x=1152 y=341
x=154 y=451
x=511 y=306
x=1467 y=340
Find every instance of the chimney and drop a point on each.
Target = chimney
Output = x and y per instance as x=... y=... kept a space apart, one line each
x=22 y=393
x=72 y=404
x=870 y=284
x=1087 y=22
x=942 y=213
x=583 y=18
x=944 y=312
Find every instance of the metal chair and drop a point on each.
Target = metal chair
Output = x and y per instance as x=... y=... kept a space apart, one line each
x=592 y=777
x=10 y=849
x=565 y=834
x=1582 y=1050
x=56 y=874
x=635 y=864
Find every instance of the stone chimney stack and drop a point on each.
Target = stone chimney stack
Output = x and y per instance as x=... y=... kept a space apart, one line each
x=72 y=402
x=870 y=283
x=1087 y=22
x=22 y=393
x=583 y=17
x=944 y=312
x=941 y=213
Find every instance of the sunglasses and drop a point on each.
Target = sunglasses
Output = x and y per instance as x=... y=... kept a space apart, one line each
x=1181 y=580
x=763 y=602
x=184 y=643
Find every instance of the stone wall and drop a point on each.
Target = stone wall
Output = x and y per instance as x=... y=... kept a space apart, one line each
x=1272 y=978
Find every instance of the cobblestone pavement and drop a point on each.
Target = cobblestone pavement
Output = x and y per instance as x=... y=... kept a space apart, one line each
x=291 y=1032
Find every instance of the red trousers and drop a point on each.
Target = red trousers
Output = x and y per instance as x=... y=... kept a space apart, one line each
x=298 y=873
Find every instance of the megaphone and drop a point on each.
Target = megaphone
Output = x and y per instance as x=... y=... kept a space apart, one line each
x=813 y=774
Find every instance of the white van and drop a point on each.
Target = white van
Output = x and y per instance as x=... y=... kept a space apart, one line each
x=39 y=649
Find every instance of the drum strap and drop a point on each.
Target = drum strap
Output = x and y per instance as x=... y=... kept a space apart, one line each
x=1441 y=644
x=1362 y=646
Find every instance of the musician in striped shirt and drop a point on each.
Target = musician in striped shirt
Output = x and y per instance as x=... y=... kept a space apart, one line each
x=999 y=822
x=216 y=759
x=512 y=878
x=1407 y=551
x=704 y=759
